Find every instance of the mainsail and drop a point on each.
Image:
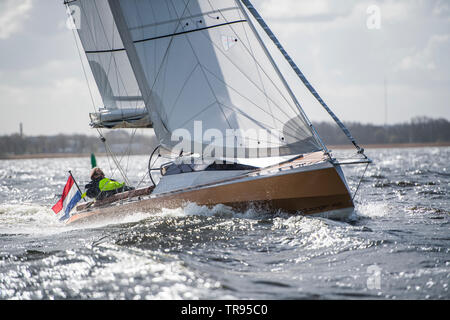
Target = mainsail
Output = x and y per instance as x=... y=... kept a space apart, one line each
x=201 y=72
x=123 y=105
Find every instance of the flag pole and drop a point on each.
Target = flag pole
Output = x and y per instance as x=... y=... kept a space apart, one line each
x=70 y=172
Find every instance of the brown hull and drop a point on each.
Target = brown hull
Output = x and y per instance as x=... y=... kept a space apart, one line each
x=305 y=192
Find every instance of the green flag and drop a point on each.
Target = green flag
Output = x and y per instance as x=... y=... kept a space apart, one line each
x=93 y=160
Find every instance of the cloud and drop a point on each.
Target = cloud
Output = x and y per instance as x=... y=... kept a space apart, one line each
x=12 y=15
x=305 y=11
x=45 y=96
x=61 y=105
x=442 y=9
x=428 y=57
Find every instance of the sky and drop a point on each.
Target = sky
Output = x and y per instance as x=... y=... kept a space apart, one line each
x=361 y=56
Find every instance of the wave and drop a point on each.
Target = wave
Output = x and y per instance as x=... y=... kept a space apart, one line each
x=372 y=210
x=28 y=219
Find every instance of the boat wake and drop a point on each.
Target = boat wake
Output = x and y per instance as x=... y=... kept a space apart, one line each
x=38 y=219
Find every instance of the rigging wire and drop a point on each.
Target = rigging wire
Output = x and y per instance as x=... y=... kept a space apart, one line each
x=249 y=78
x=150 y=164
x=99 y=131
x=286 y=85
x=84 y=69
x=119 y=167
x=357 y=188
x=164 y=58
x=118 y=77
x=302 y=77
x=259 y=73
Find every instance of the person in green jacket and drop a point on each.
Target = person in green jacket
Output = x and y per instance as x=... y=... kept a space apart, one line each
x=100 y=187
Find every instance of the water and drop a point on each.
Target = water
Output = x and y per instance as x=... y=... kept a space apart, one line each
x=395 y=246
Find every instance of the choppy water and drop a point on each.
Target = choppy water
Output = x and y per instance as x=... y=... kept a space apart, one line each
x=395 y=246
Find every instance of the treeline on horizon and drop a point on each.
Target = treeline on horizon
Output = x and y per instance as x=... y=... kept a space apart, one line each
x=120 y=141
x=418 y=130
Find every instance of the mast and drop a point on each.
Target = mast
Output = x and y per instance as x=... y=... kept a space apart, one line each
x=263 y=25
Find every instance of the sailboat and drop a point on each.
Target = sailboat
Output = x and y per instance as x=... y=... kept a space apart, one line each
x=200 y=74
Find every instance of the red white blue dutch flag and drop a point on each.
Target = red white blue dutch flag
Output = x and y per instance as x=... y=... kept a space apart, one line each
x=70 y=197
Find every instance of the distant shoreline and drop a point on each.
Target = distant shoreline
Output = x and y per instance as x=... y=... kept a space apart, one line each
x=48 y=156
x=330 y=147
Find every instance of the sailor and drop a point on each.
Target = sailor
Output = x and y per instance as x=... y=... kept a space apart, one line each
x=101 y=187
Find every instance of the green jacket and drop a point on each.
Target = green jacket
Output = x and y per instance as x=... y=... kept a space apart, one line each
x=108 y=185
x=103 y=188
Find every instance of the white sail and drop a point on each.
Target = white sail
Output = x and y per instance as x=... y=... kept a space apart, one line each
x=202 y=72
x=123 y=105
x=202 y=63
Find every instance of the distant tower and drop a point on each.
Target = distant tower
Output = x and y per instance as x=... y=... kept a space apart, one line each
x=385 y=102
x=21 y=130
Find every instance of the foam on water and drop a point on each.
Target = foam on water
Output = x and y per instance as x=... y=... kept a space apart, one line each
x=28 y=219
x=318 y=234
x=373 y=210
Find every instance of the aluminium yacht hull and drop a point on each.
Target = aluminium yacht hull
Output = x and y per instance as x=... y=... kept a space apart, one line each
x=295 y=187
